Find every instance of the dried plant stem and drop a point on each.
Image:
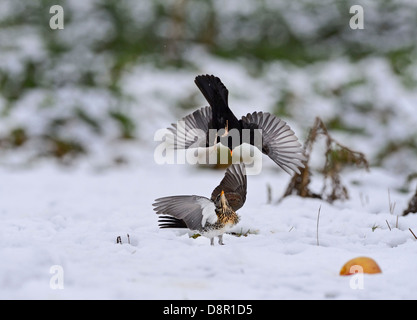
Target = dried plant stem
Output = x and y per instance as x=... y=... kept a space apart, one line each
x=317 y=229
x=337 y=156
x=269 y=193
x=391 y=205
x=412 y=205
x=412 y=233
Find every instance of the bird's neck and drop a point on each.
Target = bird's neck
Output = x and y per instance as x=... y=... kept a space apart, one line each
x=223 y=117
x=226 y=211
x=227 y=216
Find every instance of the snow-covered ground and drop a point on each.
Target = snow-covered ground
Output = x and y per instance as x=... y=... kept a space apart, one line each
x=59 y=227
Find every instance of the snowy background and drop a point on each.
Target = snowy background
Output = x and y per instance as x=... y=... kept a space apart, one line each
x=79 y=108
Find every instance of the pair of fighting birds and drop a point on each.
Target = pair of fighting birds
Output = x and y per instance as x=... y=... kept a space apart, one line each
x=212 y=217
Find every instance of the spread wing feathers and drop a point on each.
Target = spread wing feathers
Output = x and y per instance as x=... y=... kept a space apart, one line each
x=234 y=185
x=213 y=90
x=195 y=211
x=192 y=130
x=278 y=140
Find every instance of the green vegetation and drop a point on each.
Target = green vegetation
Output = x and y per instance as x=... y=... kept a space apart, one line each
x=58 y=73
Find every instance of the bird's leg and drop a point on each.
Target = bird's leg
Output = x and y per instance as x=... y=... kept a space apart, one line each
x=212 y=241
x=226 y=129
x=221 y=240
x=214 y=149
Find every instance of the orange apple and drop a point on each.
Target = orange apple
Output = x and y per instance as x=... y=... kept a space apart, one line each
x=360 y=264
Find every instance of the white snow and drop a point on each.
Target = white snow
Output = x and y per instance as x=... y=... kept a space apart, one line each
x=71 y=218
x=59 y=225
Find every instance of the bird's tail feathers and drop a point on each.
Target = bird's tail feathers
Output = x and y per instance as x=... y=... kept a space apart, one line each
x=213 y=90
x=170 y=222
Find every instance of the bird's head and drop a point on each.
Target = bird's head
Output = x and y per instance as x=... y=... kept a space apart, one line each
x=222 y=205
x=223 y=201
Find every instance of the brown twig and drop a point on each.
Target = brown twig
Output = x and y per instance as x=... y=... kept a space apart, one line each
x=412 y=233
x=268 y=193
x=337 y=156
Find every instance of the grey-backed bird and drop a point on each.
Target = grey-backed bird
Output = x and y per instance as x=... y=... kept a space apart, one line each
x=210 y=217
x=278 y=140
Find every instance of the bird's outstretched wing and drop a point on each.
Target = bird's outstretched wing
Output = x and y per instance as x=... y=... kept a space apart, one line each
x=192 y=131
x=234 y=185
x=278 y=140
x=195 y=211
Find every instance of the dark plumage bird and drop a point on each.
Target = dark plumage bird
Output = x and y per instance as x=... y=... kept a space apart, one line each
x=278 y=140
x=210 y=217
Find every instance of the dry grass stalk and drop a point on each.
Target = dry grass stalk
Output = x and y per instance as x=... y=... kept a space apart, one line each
x=412 y=205
x=317 y=228
x=337 y=157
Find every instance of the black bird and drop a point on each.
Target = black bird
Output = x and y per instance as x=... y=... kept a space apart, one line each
x=278 y=140
x=210 y=217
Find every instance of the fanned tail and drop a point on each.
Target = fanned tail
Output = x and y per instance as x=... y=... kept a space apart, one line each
x=213 y=90
x=170 y=222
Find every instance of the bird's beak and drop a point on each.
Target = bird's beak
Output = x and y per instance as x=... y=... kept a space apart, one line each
x=223 y=199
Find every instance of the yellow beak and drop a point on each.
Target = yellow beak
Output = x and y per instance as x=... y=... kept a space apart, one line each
x=223 y=199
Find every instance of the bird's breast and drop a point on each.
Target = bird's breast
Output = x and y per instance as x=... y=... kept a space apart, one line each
x=228 y=219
